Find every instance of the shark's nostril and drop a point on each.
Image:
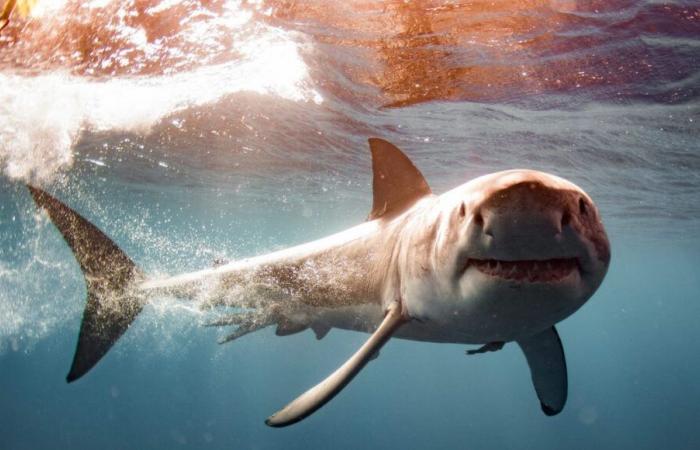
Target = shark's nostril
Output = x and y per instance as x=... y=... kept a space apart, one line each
x=479 y=222
x=582 y=207
x=565 y=219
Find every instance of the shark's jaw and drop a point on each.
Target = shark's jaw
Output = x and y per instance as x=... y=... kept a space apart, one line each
x=528 y=270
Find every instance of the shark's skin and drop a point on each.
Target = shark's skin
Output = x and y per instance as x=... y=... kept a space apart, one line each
x=348 y=279
x=501 y=258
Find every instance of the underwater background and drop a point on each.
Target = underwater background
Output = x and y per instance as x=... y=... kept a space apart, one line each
x=191 y=131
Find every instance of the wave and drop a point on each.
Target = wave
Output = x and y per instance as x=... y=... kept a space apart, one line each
x=205 y=90
x=43 y=113
x=406 y=53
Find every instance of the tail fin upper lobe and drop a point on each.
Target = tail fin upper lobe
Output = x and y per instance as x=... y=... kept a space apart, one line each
x=112 y=305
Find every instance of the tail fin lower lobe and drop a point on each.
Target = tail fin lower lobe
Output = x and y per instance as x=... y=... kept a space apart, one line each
x=112 y=304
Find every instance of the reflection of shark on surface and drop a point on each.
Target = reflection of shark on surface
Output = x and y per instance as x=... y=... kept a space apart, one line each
x=501 y=258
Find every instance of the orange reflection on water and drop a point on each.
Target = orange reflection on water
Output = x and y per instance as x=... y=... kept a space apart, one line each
x=417 y=51
x=112 y=37
x=390 y=52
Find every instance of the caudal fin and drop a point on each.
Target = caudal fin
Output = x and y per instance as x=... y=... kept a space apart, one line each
x=112 y=304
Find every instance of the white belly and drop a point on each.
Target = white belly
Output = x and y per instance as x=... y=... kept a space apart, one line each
x=366 y=318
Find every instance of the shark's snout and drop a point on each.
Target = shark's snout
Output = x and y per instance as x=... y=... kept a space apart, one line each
x=527 y=220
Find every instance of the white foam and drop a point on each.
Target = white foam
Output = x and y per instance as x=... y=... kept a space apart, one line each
x=42 y=116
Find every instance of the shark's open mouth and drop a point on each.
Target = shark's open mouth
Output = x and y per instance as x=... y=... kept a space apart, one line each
x=533 y=271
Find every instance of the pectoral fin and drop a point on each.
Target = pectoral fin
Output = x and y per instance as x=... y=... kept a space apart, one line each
x=545 y=356
x=311 y=400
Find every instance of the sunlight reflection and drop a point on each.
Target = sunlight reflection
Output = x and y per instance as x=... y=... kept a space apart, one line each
x=425 y=50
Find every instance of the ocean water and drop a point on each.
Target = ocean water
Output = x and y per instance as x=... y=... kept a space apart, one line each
x=191 y=131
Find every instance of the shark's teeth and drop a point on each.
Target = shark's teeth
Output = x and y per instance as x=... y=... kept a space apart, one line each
x=533 y=271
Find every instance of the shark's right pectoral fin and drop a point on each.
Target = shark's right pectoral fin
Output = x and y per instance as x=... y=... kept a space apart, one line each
x=545 y=356
x=311 y=400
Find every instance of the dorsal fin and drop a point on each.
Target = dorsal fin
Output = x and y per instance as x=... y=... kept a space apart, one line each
x=397 y=183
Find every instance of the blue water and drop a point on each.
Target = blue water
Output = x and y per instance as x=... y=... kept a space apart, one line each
x=236 y=130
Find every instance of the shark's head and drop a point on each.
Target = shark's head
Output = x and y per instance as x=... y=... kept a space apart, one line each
x=503 y=256
x=515 y=252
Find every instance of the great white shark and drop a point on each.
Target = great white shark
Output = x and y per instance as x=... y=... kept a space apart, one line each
x=499 y=259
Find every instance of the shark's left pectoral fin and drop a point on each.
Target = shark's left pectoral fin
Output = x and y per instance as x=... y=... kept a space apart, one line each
x=311 y=400
x=545 y=356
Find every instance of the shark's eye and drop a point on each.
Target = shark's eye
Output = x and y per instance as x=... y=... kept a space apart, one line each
x=462 y=210
x=478 y=219
x=582 y=207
